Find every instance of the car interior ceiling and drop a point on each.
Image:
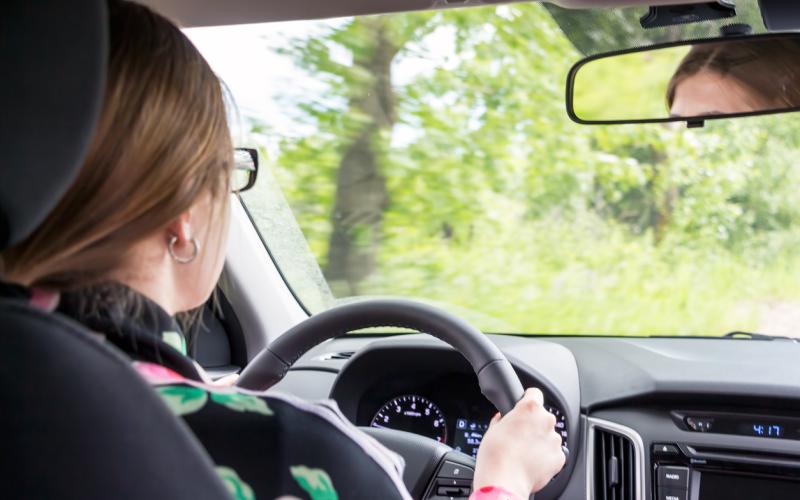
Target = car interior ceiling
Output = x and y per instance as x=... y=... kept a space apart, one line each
x=193 y=13
x=641 y=418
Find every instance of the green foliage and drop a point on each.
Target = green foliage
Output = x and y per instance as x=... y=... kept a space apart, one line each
x=504 y=210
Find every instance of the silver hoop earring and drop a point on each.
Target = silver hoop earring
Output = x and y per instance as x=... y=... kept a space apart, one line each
x=183 y=260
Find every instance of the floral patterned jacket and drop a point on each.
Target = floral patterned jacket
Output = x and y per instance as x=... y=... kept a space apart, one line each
x=264 y=446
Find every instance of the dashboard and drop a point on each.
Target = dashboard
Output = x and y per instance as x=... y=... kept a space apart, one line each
x=646 y=418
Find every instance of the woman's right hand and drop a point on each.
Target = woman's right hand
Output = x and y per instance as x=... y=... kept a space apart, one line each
x=521 y=451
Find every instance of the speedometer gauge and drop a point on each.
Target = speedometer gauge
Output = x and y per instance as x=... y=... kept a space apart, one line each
x=412 y=413
x=561 y=423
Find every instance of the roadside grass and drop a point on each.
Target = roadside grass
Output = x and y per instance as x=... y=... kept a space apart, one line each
x=549 y=278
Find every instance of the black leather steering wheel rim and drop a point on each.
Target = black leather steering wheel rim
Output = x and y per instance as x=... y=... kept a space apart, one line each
x=498 y=381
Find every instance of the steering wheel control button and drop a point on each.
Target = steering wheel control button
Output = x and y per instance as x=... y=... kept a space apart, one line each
x=452 y=470
x=673 y=477
x=665 y=450
x=453 y=491
x=672 y=494
x=456 y=483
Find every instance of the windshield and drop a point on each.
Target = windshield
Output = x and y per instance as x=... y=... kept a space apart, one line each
x=429 y=155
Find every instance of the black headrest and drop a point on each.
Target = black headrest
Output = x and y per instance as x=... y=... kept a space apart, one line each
x=53 y=58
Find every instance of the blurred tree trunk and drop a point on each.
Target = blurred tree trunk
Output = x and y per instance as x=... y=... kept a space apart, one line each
x=361 y=196
x=665 y=196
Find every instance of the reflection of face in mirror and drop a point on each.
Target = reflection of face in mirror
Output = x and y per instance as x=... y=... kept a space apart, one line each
x=736 y=77
x=710 y=93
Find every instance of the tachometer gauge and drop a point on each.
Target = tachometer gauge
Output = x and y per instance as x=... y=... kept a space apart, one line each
x=561 y=423
x=412 y=413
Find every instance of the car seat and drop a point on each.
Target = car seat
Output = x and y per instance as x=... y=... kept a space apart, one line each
x=76 y=421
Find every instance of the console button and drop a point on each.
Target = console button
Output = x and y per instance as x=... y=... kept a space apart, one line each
x=452 y=470
x=453 y=482
x=453 y=491
x=699 y=424
x=665 y=449
x=672 y=494
x=673 y=477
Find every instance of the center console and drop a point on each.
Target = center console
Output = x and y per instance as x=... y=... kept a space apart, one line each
x=686 y=471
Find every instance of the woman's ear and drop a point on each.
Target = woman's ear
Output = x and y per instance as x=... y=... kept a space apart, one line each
x=181 y=229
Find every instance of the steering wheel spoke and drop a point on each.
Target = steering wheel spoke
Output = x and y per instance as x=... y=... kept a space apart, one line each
x=433 y=471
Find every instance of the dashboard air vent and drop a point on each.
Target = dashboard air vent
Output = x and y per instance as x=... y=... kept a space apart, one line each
x=614 y=466
x=331 y=356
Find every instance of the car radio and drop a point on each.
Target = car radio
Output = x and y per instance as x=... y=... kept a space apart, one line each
x=683 y=471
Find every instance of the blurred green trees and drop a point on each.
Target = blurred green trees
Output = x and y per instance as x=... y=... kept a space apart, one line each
x=463 y=181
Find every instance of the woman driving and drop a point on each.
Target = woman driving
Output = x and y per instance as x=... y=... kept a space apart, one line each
x=140 y=237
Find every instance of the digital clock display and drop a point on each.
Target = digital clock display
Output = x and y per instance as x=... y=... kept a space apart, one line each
x=762 y=429
x=764 y=426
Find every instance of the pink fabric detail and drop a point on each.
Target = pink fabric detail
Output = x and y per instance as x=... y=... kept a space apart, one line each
x=493 y=493
x=44 y=299
x=157 y=374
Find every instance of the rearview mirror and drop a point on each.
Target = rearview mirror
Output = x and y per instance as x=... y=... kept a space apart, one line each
x=688 y=81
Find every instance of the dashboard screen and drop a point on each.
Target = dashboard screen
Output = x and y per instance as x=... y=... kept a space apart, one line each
x=468 y=435
x=717 y=486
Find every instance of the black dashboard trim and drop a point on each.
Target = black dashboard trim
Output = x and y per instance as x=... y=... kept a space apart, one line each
x=315 y=369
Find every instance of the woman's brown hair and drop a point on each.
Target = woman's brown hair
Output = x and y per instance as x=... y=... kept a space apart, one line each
x=162 y=142
x=769 y=69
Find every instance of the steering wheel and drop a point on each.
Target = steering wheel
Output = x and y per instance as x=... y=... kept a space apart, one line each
x=432 y=468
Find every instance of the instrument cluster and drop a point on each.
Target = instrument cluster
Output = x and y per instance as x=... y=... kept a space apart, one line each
x=447 y=408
